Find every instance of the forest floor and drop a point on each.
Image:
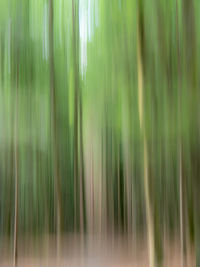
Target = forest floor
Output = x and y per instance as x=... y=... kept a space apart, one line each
x=93 y=252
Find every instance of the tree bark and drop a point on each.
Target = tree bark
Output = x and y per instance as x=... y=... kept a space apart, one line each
x=181 y=180
x=149 y=215
x=16 y=172
x=55 y=161
x=76 y=88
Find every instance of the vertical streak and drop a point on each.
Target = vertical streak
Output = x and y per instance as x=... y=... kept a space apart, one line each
x=54 y=127
x=81 y=188
x=181 y=182
x=181 y=207
x=77 y=119
x=118 y=188
x=149 y=216
x=16 y=173
x=75 y=113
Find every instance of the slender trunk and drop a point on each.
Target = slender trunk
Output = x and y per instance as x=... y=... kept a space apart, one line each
x=16 y=173
x=76 y=84
x=118 y=190
x=92 y=188
x=55 y=161
x=78 y=138
x=181 y=180
x=182 y=211
x=81 y=187
x=149 y=215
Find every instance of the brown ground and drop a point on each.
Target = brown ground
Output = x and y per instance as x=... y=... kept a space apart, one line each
x=94 y=252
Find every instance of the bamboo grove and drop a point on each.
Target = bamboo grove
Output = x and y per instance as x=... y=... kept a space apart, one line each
x=99 y=121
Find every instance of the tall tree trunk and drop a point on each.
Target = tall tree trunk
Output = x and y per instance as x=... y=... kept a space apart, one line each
x=78 y=136
x=76 y=84
x=182 y=209
x=16 y=172
x=181 y=180
x=149 y=215
x=81 y=186
x=55 y=161
x=118 y=188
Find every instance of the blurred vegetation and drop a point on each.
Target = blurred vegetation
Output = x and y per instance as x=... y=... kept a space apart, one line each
x=99 y=119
